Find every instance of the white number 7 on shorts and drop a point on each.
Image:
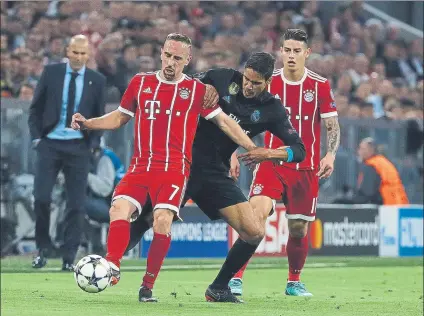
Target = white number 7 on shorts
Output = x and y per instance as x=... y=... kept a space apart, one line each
x=176 y=188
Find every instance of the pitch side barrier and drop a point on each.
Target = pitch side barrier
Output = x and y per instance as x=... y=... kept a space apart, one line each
x=339 y=230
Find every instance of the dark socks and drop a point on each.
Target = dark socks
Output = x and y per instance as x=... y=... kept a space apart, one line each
x=237 y=257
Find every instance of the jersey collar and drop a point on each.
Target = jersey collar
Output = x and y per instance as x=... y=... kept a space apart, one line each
x=305 y=74
x=169 y=82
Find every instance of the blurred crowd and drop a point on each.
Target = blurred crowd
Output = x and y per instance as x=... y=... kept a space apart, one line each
x=374 y=72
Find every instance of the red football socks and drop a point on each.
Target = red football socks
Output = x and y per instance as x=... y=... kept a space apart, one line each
x=117 y=241
x=157 y=253
x=239 y=274
x=297 y=250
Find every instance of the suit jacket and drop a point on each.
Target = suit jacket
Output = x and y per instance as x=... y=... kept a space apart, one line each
x=392 y=68
x=46 y=105
x=411 y=63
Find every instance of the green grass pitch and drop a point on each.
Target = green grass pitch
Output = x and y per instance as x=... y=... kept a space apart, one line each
x=341 y=286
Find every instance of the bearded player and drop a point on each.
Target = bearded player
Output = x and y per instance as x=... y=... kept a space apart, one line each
x=166 y=105
x=308 y=99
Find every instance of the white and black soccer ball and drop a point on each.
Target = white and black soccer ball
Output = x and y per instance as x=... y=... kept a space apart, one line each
x=93 y=273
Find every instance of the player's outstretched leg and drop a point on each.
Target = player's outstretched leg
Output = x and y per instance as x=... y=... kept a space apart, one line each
x=236 y=283
x=242 y=218
x=119 y=235
x=262 y=206
x=297 y=250
x=162 y=220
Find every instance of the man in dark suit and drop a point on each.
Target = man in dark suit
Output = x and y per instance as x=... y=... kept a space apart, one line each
x=415 y=59
x=63 y=90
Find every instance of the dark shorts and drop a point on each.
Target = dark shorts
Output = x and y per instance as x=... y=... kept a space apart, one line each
x=213 y=190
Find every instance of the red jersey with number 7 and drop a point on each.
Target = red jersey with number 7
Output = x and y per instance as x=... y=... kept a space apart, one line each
x=166 y=116
x=307 y=101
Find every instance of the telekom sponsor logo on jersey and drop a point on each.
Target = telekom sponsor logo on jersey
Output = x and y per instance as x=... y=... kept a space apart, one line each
x=306 y=102
x=151 y=107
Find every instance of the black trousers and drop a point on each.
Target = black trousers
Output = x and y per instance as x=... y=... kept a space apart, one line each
x=73 y=158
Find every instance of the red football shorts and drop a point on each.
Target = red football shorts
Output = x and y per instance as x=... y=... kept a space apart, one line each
x=166 y=189
x=298 y=189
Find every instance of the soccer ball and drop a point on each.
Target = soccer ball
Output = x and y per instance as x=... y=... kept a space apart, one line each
x=93 y=274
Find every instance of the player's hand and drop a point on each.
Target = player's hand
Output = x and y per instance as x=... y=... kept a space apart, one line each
x=211 y=97
x=279 y=162
x=326 y=166
x=254 y=156
x=78 y=122
x=234 y=167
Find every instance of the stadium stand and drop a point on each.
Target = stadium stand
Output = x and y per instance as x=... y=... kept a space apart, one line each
x=375 y=73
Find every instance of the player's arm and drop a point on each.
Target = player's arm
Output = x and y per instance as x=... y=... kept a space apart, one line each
x=328 y=113
x=234 y=166
x=233 y=130
x=333 y=134
x=283 y=129
x=294 y=151
x=326 y=167
x=211 y=97
x=109 y=121
x=114 y=119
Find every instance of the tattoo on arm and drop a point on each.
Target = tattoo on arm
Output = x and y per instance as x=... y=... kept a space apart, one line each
x=333 y=134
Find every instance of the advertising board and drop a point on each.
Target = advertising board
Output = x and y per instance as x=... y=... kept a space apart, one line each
x=195 y=237
x=339 y=230
x=401 y=231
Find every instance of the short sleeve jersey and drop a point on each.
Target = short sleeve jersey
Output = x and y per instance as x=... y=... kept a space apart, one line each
x=166 y=115
x=306 y=101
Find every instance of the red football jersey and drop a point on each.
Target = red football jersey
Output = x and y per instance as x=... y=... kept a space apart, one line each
x=307 y=101
x=166 y=115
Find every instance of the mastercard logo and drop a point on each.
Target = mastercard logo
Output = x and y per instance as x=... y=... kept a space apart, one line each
x=315 y=234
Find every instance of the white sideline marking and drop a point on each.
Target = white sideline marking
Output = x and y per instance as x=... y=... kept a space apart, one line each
x=213 y=266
